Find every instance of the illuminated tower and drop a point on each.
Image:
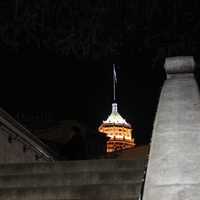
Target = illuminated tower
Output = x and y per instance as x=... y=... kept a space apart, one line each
x=115 y=127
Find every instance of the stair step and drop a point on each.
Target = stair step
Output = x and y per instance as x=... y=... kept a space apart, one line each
x=97 y=192
x=71 y=166
x=82 y=198
x=79 y=178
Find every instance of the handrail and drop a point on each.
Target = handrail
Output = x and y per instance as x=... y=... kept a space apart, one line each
x=25 y=135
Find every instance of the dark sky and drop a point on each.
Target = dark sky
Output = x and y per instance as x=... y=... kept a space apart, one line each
x=40 y=80
x=83 y=91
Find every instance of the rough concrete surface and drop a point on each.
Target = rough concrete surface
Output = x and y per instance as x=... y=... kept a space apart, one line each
x=105 y=179
x=174 y=163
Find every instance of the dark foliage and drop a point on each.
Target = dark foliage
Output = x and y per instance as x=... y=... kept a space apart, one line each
x=88 y=29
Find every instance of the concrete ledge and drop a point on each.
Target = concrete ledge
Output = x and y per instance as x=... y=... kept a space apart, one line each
x=179 y=64
x=72 y=166
x=173 y=167
x=106 y=191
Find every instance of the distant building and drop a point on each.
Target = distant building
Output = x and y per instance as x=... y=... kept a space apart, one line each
x=74 y=141
x=118 y=130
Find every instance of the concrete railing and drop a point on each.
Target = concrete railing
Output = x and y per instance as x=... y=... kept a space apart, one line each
x=174 y=162
x=16 y=131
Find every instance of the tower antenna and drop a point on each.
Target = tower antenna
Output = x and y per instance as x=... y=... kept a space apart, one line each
x=114 y=83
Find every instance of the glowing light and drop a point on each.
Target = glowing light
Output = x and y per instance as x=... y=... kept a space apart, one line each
x=115 y=117
x=119 y=131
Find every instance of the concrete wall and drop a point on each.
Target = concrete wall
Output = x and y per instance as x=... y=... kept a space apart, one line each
x=12 y=150
x=174 y=163
x=17 y=144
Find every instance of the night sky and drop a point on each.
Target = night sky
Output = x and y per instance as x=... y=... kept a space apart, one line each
x=43 y=80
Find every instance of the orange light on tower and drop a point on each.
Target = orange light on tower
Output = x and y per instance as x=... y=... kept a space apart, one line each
x=115 y=127
x=119 y=131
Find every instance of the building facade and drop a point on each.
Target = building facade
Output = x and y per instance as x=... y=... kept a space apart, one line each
x=118 y=130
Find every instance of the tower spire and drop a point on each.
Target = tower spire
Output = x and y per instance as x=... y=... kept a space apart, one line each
x=116 y=127
x=114 y=83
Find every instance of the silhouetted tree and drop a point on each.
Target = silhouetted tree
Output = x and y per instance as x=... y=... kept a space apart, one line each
x=102 y=28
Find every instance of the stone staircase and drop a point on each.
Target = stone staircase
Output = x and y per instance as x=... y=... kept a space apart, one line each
x=104 y=179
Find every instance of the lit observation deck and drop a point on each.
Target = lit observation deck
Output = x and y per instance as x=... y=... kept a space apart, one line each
x=119 y=131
